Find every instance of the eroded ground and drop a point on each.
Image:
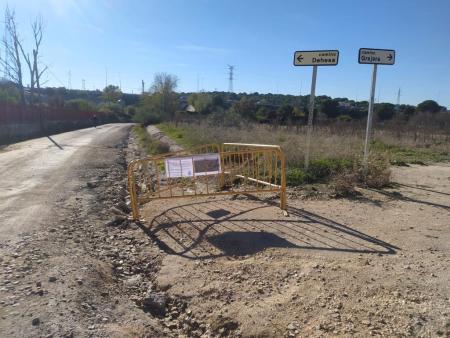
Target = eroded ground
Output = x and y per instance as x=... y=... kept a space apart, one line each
x=375 y=265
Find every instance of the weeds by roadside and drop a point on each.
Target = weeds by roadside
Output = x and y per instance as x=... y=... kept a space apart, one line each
x=181 y=136
x=150 y=146
x=337 y=158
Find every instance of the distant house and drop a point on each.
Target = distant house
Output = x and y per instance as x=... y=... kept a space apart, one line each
x=184 y=106
x=190 y=108
x=345 y=104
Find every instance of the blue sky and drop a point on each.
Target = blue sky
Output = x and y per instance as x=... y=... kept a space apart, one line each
x=196 y=39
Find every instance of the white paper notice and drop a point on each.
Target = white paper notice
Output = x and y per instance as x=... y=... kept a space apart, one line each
x=196 y=165
x=179 y=167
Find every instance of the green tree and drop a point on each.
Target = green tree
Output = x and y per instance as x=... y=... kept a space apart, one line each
x=80 y=105
x=9 y=94
x=163 y=89
x=385 y=111
x=285 y=113
x=111 y=93
x=246 y=108
x=407 y=110
x=330 y=108
x=428 y=106
x=218 y=101
x=262 y=114
x=202 y=102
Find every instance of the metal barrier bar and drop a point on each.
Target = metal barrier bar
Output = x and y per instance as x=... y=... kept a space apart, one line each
x=258 y=168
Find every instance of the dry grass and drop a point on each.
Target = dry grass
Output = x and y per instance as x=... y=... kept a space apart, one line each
x=336 y=150
x=338 y=141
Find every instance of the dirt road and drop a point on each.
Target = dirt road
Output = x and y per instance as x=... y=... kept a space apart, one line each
x=56 y=278
x=38 y=173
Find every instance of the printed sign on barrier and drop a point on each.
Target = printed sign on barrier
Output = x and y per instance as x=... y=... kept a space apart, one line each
x=189 y=166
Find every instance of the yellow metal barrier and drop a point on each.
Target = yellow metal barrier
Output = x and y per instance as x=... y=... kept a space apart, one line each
x=226 y=169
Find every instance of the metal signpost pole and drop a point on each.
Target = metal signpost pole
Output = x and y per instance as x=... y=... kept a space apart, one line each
x=314 y=58
x=369 y=117
x=310 y=116
x=373 y=57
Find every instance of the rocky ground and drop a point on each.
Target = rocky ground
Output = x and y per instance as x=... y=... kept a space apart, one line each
x=377 y=264
x=77 y=275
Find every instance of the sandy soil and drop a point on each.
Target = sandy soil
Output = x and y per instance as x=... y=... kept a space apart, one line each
x=374 y=265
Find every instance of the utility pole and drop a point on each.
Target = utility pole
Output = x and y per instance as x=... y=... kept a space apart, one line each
x=143 y=87
x=398 y=96
x=69 y=81
x=83 y=84
x=230 y=78
x=198 y=83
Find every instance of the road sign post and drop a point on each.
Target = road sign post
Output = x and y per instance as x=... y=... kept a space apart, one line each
x=374 y=57
x=370 y=116
x=310 y=116
x=314 y=58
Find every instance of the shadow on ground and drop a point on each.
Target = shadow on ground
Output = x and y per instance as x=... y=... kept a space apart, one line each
x=397 y=195
x=217 y=228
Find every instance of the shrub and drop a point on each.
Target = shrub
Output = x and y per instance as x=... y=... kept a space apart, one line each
x=80 y=105
x=146 y=117
x=297 y=176
x=343 y=183
x=151 y=146
x=9 y=94
x=320 y=170
x=378 y=173
x=344 y=118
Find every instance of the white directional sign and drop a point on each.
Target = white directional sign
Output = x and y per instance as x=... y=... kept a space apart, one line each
x=316 y=58
x=376 y=56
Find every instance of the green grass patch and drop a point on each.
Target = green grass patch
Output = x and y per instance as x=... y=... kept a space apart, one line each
x=402 y=156
x=178 y=134
x=150 y=146
x=319 y=171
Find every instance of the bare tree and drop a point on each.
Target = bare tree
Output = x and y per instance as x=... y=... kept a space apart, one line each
x=11 y=60
x=38 y=29
x=164 y=86
x=33 y=65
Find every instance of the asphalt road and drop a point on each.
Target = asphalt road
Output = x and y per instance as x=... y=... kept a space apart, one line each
x=36 y=174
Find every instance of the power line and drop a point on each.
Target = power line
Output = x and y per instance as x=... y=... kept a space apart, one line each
x=230 y=78
x=54 y=76
x=198 y=83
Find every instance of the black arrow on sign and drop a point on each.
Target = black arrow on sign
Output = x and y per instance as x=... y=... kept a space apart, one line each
x=389 y=57
x=300 y=58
